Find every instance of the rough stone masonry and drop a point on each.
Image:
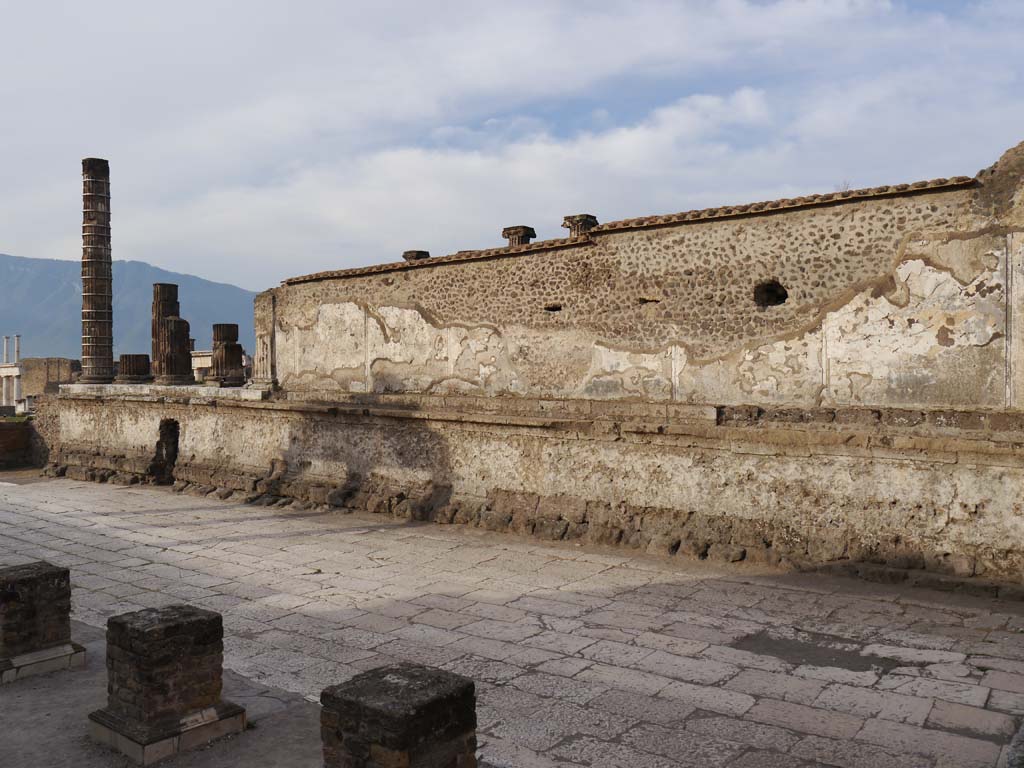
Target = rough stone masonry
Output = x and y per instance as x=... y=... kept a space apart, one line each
x=35 y=625
x=835 y=378
x=164 y=668
x=400 y=715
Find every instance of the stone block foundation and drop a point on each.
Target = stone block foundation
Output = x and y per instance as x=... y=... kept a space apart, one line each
x=164 y=668
x=401 y=716
x=35 y=629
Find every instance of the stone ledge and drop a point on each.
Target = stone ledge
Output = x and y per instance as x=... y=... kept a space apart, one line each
x=148 y=745
x=156 y=391
x=61 y=657
x=886 y=574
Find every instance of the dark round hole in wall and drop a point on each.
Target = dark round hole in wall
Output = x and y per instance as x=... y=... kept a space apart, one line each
x=770 y=293
x=552 y=307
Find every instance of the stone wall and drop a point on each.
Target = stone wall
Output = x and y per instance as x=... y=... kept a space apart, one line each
x=15 y=443
x=894 y=296
x=925 y=489
x=44 y=375
x=832 y=379
x=45 y=438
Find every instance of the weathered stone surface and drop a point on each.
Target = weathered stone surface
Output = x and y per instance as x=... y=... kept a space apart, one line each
x=164 y=672
x=134 y=369
x=228 y=368
x=172 y=356
x=97 y=276
x=35 y=606
x=400 y=715
x=35 y=631
x=576 y=651
x=819 y=381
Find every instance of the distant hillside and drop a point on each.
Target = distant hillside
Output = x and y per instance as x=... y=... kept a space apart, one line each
x=42 y=300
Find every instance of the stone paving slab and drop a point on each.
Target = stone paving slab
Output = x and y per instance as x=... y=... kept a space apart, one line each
x=582 y=657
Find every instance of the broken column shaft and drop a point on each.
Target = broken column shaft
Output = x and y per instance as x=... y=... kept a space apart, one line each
x=400 y=715
x=172 y=358
x=228 y=366
x=97 y=279
x=134 y=369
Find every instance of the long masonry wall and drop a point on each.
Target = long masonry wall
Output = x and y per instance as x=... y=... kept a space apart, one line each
x=894 y=297
x=936 y=490
x=643 y=384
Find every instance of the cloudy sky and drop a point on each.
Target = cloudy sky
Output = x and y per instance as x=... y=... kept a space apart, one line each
x=252 y=140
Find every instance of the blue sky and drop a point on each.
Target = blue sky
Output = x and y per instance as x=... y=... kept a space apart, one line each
x=250 y=141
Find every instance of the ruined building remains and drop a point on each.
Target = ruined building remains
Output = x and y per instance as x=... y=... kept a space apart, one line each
x=97 y=280
x=10 y=378
x=172 y=348
x=134 y=369
x=228 y=368
x=834 y=378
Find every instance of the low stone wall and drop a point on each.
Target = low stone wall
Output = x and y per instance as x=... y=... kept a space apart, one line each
x=45 y=438
x=15 y=444
x=938 y=490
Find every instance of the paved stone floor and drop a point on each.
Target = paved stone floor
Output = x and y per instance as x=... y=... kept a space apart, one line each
x=582 y=657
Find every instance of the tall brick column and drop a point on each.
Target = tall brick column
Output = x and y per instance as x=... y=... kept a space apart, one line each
x=35 y=625
x=401 y=715
x=164 y=684
x=97 y=279
x=172 y=357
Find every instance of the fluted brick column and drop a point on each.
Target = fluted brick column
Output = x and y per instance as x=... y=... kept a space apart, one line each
x=172 y=357
x=97 y=279
x=134 y=369
x=228 y=366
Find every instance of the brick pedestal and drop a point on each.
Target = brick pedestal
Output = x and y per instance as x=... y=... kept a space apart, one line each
x=402 y=716
x=35 y=625
x=164 y=684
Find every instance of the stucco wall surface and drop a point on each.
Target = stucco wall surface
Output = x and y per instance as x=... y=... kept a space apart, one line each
x=895 y=299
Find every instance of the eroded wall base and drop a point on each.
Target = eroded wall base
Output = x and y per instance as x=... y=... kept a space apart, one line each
x=938 y=490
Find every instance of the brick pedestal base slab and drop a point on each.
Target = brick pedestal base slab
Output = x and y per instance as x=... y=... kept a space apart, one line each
x=164 y=669
x=404 y=715
x=35 y=626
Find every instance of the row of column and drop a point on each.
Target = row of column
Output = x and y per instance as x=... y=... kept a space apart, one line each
x=10 y=390
x=17 y=349
x=10 y=385
x=172 y=347
x=164 y=684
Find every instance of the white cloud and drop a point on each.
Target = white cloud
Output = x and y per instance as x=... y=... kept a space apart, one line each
x=251 y=141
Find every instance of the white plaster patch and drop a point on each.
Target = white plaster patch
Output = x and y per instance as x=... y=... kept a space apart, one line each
x=944 y=347
x=616 y=373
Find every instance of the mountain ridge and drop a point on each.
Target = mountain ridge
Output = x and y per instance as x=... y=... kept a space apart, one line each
x=41 y=299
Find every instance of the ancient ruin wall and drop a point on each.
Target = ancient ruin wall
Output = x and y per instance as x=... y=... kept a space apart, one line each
x=895 y=297
x=936 y=490
x=587 y=388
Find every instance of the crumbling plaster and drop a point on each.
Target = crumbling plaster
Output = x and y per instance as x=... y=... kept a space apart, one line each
x=896 y=301
x=624 y=387
x=805 y=487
